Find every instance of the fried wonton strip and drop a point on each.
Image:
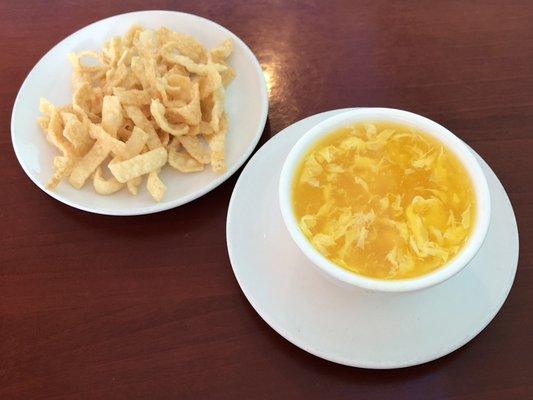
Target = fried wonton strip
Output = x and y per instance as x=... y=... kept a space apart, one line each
x=170 y=53
x=164 y=137
x=137 y=67
x=105 y=186
x=205 y=128
x=135 y=143
x=195 y=148
x=218 y=109
x=181 y=160
x=82 y=101
x=133 y=185
x=111 y=115
x=177 y=86
x=194 y=130
x=62 y=164
x=132 y=35
x=139 y=165
x=139 y=119
x=43 y=121
x=77 y=133
x=155 y=186
x=217 y=143
x=54 y=131
x=158 y=112
x=78 y=66
x=190 y=47
x=112 y=51
x=192 y=113
x=62 y=168
x=46 y=107
x=133 y=97
x=220 y=53
x=114 y=77
x=115 y=145
x=210 y=82
x=227 y=76
x=88 y=163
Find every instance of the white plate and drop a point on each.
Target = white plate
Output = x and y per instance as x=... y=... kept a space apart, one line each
x=347 y=325
x=246 y=103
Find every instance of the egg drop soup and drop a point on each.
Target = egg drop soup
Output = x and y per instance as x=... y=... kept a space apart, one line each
x=384 y=200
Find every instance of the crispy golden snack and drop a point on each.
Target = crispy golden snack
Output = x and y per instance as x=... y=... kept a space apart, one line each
x=148 y=98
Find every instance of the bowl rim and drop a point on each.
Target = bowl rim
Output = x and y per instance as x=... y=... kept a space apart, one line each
x=430 y=127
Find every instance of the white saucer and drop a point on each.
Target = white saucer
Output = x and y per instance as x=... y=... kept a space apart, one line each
x=246 y=105
x=347 y=325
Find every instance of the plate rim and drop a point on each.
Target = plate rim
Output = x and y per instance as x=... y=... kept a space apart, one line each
x=341 y=360
x=156 y=207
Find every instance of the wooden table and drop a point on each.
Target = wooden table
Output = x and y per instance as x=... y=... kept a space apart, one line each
x=148 y=307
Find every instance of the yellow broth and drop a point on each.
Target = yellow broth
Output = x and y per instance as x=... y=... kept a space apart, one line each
x=384 y=200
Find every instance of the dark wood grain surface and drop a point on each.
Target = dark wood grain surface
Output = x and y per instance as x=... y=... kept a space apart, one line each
x=148 y=308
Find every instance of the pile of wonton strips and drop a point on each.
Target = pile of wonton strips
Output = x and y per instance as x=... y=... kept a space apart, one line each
x=148 y=98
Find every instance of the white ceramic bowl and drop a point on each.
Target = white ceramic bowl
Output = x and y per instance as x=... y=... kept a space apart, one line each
x=451 y=141
x=246 y=105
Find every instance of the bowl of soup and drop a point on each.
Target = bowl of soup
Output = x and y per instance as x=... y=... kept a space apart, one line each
x=384 y=199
